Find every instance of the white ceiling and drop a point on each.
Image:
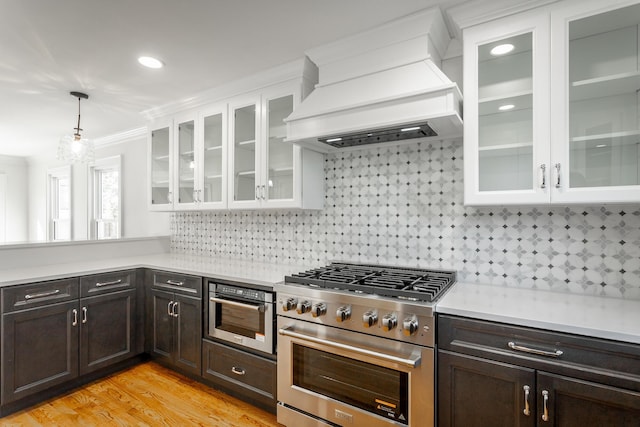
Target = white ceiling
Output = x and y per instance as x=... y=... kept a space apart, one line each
x=49 y=48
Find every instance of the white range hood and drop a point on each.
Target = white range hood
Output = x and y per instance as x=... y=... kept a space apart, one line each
x=377 y=83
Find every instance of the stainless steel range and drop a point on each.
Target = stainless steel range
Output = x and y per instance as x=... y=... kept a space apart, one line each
x=355 y=346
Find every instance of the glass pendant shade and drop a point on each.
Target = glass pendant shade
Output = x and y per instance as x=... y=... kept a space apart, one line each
x=75 y=150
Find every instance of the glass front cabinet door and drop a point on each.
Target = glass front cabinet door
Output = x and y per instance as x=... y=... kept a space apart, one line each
x=160 y=190
x=185 y=176
x=596 y=143
x=506 y=130
x=212 y=163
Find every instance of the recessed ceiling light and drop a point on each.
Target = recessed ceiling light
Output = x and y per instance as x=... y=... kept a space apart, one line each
x=501 y=49
x=150 y=62
x=601 y=145
x=410 y=129
x=334 y=139
x=506 y=107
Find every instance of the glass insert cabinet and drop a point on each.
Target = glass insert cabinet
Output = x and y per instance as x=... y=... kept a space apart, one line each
x=551 y=106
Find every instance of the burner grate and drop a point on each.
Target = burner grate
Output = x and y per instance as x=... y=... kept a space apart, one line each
x=396 y=282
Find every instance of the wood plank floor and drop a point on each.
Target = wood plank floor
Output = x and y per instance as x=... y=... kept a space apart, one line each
x=145 y=395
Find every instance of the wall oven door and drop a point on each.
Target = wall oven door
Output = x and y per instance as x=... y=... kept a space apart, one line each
x=245 y=321
x=328 y=376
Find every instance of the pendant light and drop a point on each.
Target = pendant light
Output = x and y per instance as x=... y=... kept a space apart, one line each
x=74 y=148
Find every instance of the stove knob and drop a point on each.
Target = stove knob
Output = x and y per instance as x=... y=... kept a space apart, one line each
x=369 y=319
x=389 y=321
x=343 y=313
x=289 y=304
x=319 y=309
x=409 y=326
x=303 y=307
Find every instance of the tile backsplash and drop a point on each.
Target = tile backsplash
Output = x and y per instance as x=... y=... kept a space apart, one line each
x=403 y=205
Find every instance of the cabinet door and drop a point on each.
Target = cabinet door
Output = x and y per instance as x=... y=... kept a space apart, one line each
x=506 y=127
x=244 y=134
x=281 y=159
x=107 y=329
x=185 y=161
x=162 y=330
x=188 y=333
x=596 y=148
x=39 y=349
x=478 y=392
x=212 y=158
x=567 y=402
x=160 y=153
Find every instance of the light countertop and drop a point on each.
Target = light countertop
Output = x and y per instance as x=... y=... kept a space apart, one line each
x=602 y=317
x=259 y=273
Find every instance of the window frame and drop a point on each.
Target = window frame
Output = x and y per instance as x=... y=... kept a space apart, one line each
x=53 y=201
x=94 y=196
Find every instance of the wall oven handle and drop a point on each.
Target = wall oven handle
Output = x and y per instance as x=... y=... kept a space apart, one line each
x=237 y=304
x=413 y=362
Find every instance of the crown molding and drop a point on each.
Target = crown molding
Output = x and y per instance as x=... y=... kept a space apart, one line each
x=117 y=138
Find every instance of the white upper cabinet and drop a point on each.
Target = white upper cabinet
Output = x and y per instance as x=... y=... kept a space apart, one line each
x=266 y=171
x=554 y=119
x=160 y=163
x=596 y=142
x=212 y=161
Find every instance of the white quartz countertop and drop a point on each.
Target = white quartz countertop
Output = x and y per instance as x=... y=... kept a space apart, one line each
x=594 y=316
x=259 y=273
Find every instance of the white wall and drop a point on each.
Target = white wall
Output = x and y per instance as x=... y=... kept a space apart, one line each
x=16 y=200
x=137 y=220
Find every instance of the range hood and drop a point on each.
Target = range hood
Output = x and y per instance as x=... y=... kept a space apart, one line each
x=380 y=86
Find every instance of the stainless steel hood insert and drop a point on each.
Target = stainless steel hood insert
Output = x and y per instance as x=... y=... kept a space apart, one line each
x=377 y=83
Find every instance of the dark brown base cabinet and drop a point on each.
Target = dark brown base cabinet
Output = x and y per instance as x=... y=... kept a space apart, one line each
x=483 y=380
x=54 y=332
x=175 y=326
x=244 y=375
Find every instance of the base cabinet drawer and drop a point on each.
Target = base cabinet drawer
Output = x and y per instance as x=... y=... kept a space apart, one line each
x=245 y=375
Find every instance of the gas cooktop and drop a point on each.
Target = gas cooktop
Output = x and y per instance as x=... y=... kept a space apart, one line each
x=413 y=284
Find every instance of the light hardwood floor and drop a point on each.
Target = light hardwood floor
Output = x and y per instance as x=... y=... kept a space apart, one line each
x=145 y=395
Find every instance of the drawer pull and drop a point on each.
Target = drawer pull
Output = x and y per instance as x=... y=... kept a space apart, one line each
x=174 y=283
x=516 y=347
x=113 y=282
x=238 y=371
x=42 y=294
x=545 y=405
x=526 y=411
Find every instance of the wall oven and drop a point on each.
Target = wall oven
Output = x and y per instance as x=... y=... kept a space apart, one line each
x=242 y=315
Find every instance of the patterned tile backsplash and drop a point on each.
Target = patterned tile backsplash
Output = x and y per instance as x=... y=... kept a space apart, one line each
x=403 y=205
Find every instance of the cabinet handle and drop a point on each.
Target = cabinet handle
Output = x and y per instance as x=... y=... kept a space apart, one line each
x=75 y=317
x=516 y=347
x=264 y=192
x=558 y=175
x=545 y=405
x=169 y=197
x=526 y=411
x=169 y=308
x=174 y=283
x=543 y=168
x=238 y=371
x=199 y=196
x=174 y=311
x=257 y=192
x=113 y=282
x=42 y=294
x=84 y=314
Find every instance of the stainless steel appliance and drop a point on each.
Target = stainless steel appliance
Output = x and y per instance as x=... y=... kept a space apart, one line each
x=242 y=315
x=355 y=346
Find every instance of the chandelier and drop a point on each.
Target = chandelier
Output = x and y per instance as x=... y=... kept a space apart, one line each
x=74 y=148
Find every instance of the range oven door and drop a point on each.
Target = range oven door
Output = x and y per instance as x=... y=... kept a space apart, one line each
x=242 y=322
x=328 y=376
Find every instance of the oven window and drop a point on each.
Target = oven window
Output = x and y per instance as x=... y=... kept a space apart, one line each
x=375 y=389
x=237 y=320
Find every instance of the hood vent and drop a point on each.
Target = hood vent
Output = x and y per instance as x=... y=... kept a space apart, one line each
x=375 y=84
x=411 y=131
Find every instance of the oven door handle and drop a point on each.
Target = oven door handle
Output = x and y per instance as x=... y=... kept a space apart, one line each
x=412 y=362
x=237 y=304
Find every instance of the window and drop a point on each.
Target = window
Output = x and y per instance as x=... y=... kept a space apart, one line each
x=105 y=203
x=59 y=218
